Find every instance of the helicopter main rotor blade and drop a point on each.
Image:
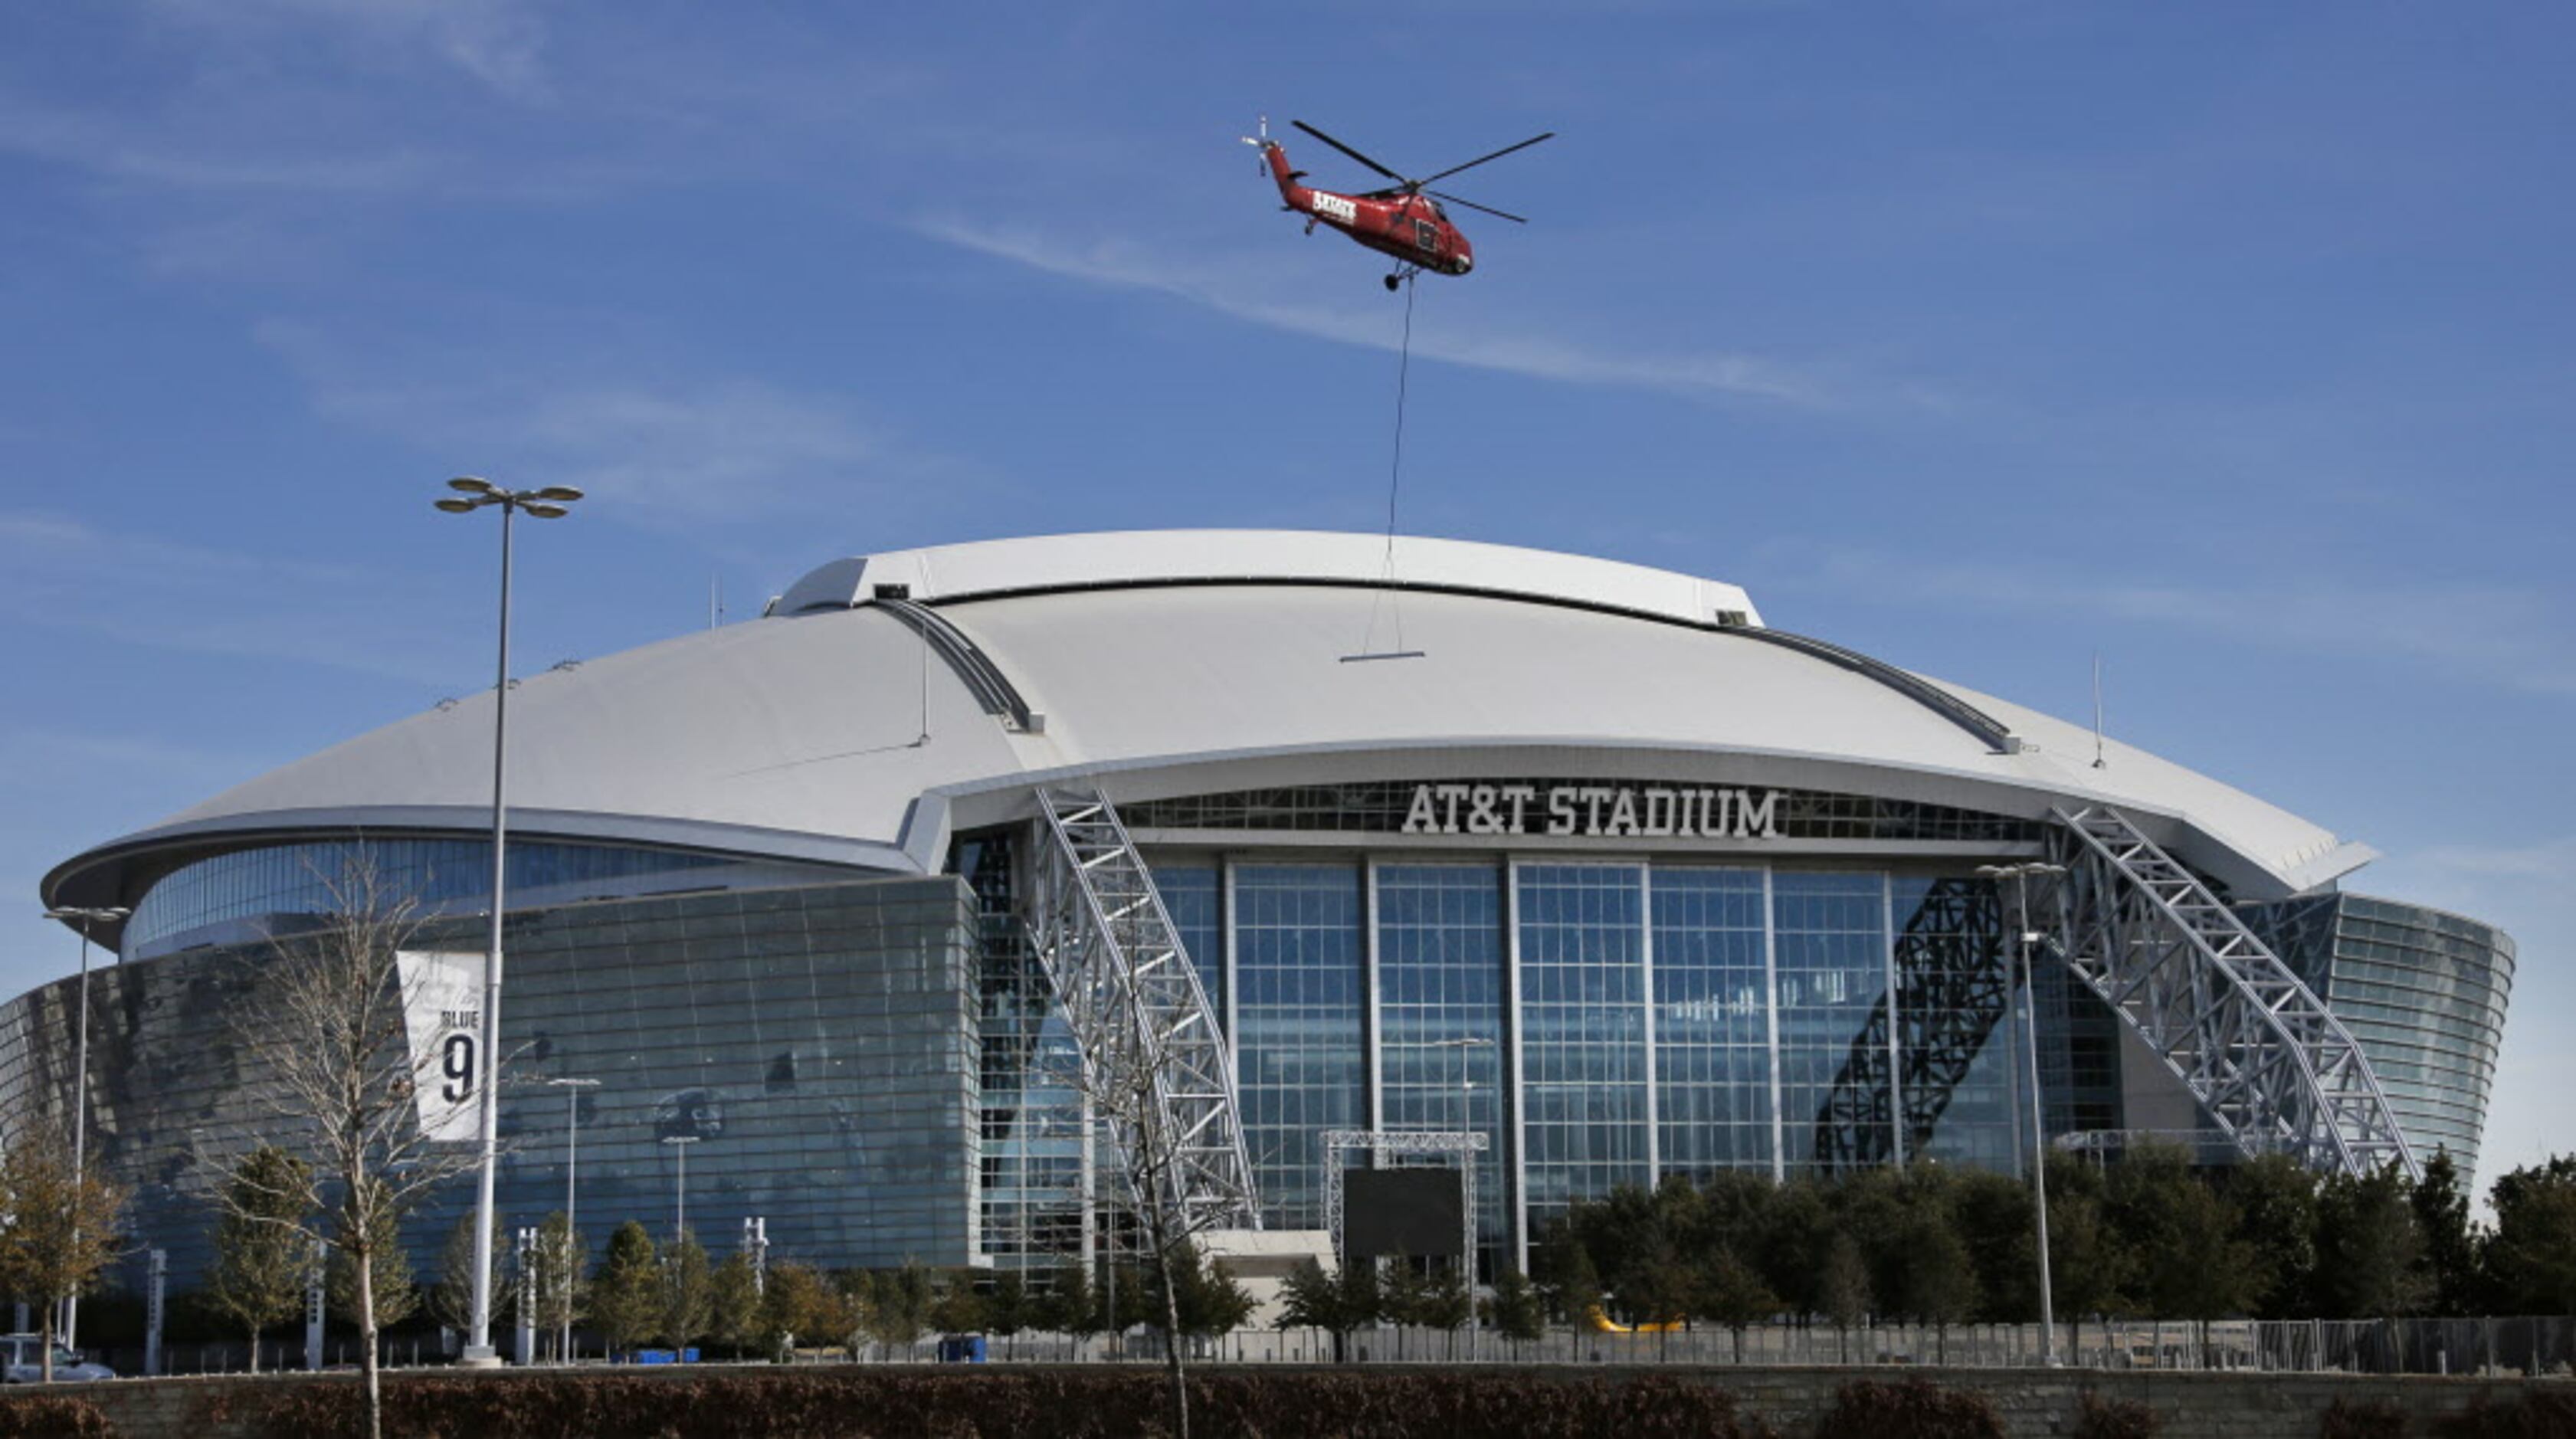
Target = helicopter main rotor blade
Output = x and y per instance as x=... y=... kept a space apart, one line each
x=1498 y=154
x=1347 y=150
x=1488 y=209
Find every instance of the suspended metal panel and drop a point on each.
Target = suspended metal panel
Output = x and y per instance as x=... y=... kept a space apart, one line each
x=2270 y=1064
x=1152 y=1054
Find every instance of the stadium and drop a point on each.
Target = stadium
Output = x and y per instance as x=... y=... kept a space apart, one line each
x=1367 y=835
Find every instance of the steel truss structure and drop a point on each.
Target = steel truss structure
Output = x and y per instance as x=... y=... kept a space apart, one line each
x=2271 y=1066
x=1159 y=1072
x=1465 y=1143
x=1952 y=988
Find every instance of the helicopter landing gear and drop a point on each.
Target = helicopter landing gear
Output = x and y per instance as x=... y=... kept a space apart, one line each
x=1402 y=274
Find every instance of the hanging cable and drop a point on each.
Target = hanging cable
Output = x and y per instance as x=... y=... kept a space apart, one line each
x=1387 y=598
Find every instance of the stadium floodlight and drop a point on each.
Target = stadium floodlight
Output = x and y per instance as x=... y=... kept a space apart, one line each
x=478 y=1341
x=2024 y=938
x=80 y=919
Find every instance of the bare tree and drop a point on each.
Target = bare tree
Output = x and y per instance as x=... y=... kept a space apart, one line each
x=1121 y=1084
x=1152 y=1065
x=324 y=1045
x=58 y=1224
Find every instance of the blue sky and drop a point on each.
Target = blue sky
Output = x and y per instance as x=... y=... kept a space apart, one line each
x=2227 y=341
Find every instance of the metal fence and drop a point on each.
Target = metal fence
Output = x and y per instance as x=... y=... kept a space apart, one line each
x=2516 y=1345
x=2519 y=1345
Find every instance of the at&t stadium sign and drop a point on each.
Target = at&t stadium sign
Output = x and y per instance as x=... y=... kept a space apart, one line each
x=1606 y=810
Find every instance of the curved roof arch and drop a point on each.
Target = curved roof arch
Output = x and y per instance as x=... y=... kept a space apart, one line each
x=837 y=730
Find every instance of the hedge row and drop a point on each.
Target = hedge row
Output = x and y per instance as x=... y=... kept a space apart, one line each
x=52 y=1416
x=1043 y=1404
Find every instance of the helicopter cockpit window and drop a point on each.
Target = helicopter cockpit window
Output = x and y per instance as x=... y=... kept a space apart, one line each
x=1426 y=236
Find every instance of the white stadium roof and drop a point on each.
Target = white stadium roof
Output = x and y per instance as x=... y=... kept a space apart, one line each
x=1199 y=661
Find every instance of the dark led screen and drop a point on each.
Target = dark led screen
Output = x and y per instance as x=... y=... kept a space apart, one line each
x=1402 y=1211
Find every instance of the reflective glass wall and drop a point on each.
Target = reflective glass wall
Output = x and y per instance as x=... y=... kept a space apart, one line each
x=247 y=894
x=2424 y=994
x=817 y=1047
x=1298 y=1012
x=1712 y=1020
x=1440 y=1011
x=1606 y=1023
x=1584 y=1120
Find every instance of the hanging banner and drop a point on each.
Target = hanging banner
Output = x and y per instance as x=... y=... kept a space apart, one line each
x=442 y=998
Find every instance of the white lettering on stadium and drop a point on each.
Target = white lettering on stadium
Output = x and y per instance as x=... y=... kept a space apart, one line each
x=1615 y=811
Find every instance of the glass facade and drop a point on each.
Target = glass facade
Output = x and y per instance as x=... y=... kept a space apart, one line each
x=1959 y=1081
x=2423 y=993
x=1194 y=896
x=1609 y=1023
x=247 y=886
x=1585 y=1124
x=819 y=1044
x=1440 y=1013
x=1298 y=1006
x=1831 y=965
x=1601 y=1023
x=877 y=1069
x=1712 y=1021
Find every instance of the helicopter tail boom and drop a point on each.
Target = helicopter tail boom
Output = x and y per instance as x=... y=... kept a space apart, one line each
x=1291 y=194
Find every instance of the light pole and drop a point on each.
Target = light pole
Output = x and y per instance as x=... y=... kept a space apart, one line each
x=80 y=920
x=1467 y=1121
x=572 y=1089
x=2020 y=875
x=680 y=1188
x=546 y=504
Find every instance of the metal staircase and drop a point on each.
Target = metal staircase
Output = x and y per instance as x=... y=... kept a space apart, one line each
x=2269 y=1062
x=1156 y=1065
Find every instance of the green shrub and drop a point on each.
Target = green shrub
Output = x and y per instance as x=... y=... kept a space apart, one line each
x=2362 y=1419
x=1912 y=1409
x=2100 y=1418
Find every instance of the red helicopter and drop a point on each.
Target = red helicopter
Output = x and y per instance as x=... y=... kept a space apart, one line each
x=1404 y=219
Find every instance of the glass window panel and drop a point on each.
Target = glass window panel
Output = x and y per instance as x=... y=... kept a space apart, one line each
x=1583 y=1028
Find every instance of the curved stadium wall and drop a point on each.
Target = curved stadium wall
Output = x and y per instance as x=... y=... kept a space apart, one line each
x=1593 y=877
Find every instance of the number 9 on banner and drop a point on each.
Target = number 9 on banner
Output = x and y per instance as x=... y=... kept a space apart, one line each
x=443 y=1022
x=456 y=1062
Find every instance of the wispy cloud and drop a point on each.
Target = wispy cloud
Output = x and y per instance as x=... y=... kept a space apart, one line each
x=123 y=149
x=500 y=43
x=722 y=450
x=2551 y=860
x=2514 y=637
x=141 y=590
x=66 y=755
x=1124 y=265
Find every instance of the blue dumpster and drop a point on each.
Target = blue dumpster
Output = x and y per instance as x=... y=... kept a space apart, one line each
x=962 y=1349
